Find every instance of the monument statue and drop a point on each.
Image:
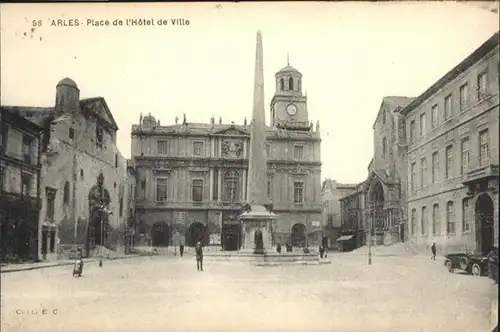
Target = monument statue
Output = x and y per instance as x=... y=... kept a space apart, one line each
x=220 y=120
x=245 y=121
x=176 y=119
x=184 y=120
x=140 y=118
x=317 y=125
x=212 y=120
x=257 y=219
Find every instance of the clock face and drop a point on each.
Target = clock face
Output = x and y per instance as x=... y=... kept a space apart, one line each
x=291 y=109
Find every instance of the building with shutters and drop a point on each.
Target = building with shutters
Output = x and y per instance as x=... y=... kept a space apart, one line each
x=452 y=144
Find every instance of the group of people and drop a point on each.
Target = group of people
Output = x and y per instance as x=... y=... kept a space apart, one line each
x=306 y=250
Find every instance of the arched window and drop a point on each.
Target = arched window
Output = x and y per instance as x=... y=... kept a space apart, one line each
x=231 y=185
x=282 y=84
x=436 y=221
x=290 y=83
x=66 y=193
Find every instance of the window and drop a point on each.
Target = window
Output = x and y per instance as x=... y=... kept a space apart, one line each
x=297 y=152
x=25 y=184
x=51 y=198
x=120 y=203
x=71 y=133
x=298 y=189
x=161 y=189
x=434 y=116
x=413 y=222
x=484 y=140
x=231 y=191
x=197 y=148
x=412 y=131
x=465 y=156
x=384 y=116
x=482 y=86
x=423 y=172
x=449 y=162
x=197 y=190
x=162 y=147
x=290 y=83
x=268 y=150
x=450 y=218
x=423 y=221
x=464 y=96
x=99 y=135
x=422 y=124
x=447 y=107
x=412 y=177
x=436 y=220
x=435 y=167
x=231 y=180
x=466 y=215
x=282 y=84
x=384 y=146
x=215 y=194
x=269 y=189
x=66 y=193
x=116 y=160
x=27 y=151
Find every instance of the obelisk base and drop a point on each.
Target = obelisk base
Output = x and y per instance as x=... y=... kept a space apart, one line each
x=258 y=218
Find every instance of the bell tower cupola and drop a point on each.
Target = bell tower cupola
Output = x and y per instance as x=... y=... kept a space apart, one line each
x=67 y=97
x=289 y=105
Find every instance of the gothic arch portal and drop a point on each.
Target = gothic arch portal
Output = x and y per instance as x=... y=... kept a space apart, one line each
x=98 y=224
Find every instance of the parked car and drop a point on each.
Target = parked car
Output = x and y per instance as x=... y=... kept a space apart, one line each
x=470 y=263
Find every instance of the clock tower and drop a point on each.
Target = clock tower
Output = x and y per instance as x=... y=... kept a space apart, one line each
x=289 y=105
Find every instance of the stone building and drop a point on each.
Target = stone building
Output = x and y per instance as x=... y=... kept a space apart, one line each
x=192 y=177
x=352 y=214
x=453 y=156
x=20 y=141
x=331 y=193
x=84 y=188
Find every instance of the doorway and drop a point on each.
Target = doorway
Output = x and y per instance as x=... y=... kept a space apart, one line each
x=298 y=236
x=160 y=235
x=196 y=233
x=231 y=237
x=484 y=223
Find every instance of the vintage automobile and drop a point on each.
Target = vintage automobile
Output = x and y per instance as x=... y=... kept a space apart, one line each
x=468 y=262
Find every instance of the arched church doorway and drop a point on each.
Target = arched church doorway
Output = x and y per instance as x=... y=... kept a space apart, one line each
x=298 y=236
x=484 y=223
x=98 y=226
x=376 y=205
x=160 y=234
x=196 y=233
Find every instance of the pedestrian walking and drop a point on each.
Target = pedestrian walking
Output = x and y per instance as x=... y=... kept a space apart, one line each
x=433 y=250
x=278 y=248
x=199 y=256
x=493 y=265
x=321 y=251
x=181 y=249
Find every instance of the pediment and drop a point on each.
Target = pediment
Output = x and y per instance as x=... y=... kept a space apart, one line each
x=232 y=131
x=99 y=107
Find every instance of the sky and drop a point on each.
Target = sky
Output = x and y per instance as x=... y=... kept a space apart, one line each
x=351 y=55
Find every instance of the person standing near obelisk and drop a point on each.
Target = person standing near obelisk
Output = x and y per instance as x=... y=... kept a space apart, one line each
x=257 y=220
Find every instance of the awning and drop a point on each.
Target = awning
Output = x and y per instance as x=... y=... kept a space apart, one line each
x=345 y=238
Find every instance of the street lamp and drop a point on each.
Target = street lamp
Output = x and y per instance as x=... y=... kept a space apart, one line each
x=370 y=225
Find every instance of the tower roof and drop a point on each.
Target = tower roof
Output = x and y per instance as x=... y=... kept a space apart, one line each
x=68 y=81
x=287 y=69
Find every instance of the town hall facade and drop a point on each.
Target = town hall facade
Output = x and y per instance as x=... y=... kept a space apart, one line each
x=192 y=177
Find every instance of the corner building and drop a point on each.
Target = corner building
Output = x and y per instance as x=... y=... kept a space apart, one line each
x=192 y=177
x=453 y=156
x=81 y=171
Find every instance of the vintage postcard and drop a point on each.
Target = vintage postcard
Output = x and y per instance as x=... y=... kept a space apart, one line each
x=274 y=166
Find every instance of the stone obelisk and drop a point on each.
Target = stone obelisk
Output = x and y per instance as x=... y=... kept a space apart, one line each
x=257 y=220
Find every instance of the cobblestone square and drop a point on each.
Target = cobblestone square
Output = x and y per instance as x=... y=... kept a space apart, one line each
x=168 y=294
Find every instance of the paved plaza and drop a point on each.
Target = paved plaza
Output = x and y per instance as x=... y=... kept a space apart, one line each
x=168 y=294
